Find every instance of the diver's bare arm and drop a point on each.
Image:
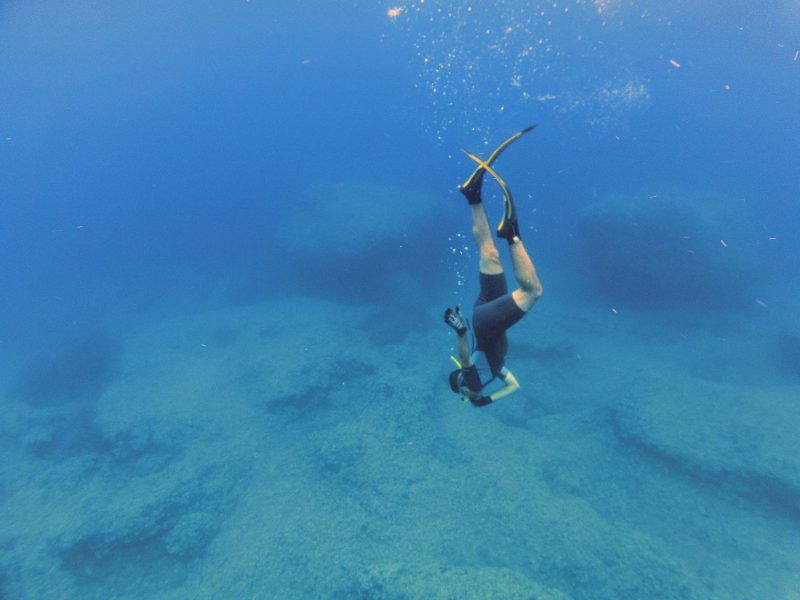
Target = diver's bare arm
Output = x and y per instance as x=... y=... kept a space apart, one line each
x=464 y=355
x=512 y=385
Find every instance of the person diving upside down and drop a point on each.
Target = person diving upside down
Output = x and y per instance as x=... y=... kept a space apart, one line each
x=495 y=310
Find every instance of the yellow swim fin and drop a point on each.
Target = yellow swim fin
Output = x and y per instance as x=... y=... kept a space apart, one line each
x=487 y=165
x=493 y=156
x=508 y=227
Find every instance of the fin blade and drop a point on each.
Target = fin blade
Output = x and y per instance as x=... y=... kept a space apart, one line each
x=485 y=165
x=506 y=143
x=496 y=153
x=508 y=201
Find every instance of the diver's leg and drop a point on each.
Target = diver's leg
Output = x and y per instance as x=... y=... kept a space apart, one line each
x=530 y=288
x=482 y=234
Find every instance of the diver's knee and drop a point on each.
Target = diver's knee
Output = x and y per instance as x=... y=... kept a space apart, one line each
x=489 y=253
x=490 y=262
x=525 y=299
x=532 y=289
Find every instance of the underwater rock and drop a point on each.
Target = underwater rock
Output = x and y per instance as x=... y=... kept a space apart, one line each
x=79 y=372
x=60 y=391
x=669 y=250
x=174 y=519
x=224 y=336
x=351 y=240
x=62 y=434
x=788 y=351
x=434 y=582
x=191 y=535
x=340 y=220
x=736 y=440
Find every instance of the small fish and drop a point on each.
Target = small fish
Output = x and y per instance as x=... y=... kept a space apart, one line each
x=674 y=63
x=724 y=245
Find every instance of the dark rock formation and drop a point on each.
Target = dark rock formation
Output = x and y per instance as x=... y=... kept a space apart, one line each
x=670 y=250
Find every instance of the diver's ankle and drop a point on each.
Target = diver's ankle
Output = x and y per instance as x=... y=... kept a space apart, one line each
x=473 y=197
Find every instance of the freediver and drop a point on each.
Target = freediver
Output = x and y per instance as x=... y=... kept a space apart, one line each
x=495 y=310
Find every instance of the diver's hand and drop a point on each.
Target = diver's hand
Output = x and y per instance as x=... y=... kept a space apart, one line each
x=454 y=318
x=482 y=401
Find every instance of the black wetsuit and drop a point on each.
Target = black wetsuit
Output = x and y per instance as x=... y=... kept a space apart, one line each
x=493 y=313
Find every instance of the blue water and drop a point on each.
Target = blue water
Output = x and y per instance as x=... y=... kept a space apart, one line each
x=227 y=235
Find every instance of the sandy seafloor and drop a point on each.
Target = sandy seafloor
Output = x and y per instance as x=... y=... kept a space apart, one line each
x=300 y=447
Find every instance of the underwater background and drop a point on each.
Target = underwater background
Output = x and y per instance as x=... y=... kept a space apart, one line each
x=228 y=231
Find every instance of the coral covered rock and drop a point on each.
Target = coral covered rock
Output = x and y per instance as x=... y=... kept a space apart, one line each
x=369 y=235
x=740 y=441
x=671 y=249
x=433 y=582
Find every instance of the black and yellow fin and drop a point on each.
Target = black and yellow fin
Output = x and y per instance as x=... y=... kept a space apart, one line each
x=488 y=167
x=493 y=156
x=508 y=227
